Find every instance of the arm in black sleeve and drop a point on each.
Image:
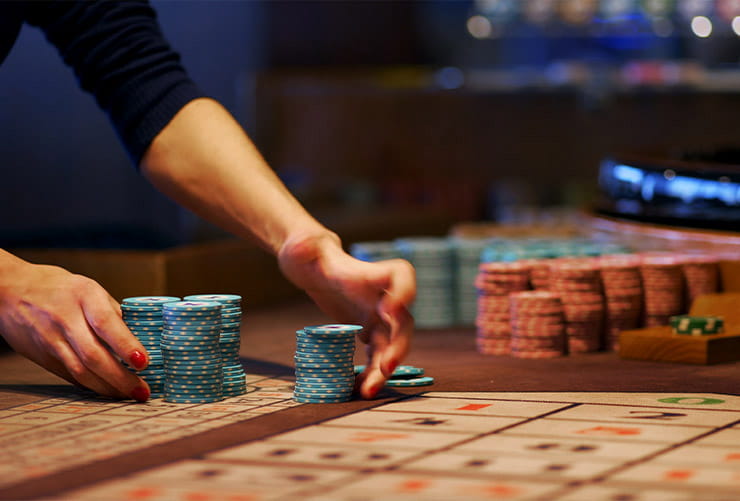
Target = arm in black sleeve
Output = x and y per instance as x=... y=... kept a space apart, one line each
x=119 y=54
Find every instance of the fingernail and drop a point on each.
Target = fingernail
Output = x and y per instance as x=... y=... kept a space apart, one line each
x=375 y=389
x=140 y=394
x=138 y=360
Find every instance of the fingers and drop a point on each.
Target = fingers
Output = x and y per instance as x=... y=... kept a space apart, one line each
x=389 y=340
x=393 y=311
x=401 y=329
x=89 y=330
x=100 y=363
x=103 y=315
x=372 y=379
x=72 y=367
x=401 y=288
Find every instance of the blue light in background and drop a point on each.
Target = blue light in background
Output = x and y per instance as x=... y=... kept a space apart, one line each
x=686 y=188
x=628 y=174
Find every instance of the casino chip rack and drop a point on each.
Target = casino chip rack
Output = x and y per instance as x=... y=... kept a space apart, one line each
x=193 y=345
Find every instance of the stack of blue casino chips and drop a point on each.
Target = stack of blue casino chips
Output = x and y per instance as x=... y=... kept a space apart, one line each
x=374 y=251
x=234 y=378
x=143 y=316
x=433 y=259
x=324 y=363
x=191 y=352
x=467 y=258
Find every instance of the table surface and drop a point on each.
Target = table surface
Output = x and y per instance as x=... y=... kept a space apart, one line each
x=446 y=354
x=449 y=355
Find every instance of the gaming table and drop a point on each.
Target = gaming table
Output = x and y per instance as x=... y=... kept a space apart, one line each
x=125 y=472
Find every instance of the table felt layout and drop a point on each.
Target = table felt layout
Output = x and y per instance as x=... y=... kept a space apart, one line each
x=582 y=427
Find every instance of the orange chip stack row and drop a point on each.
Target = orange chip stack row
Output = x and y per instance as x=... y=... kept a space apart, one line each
x=663 y=285
x=539 y=274
x=622 y=283
x=537 y=325
x=578 y=283
x=526 y=308
x=494 y=283
x=701 y=273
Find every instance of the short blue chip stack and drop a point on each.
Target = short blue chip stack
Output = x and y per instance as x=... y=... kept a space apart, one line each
x=324 y=363
x=234 y=378
x=191 y=352
x=143 y=316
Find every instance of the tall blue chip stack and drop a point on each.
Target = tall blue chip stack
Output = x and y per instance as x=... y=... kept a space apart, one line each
x=467 y=258
x=234 y=377
x=191 y=352
x=324 y=363
x=143 y=316
x=433 y=259
x=374 y=251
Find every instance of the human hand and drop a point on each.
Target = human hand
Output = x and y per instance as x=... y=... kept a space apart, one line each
x=69 y=325
x=375 y=295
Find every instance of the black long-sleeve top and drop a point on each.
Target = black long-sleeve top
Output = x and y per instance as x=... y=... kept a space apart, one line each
x=118 y=53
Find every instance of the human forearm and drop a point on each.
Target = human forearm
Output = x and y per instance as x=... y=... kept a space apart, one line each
x=205 y=161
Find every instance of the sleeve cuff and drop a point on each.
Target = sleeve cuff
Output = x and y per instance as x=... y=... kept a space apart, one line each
x=137 y=135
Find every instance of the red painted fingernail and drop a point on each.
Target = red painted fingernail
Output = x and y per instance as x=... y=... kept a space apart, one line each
x=138 y=360
x=140 y=394
x=375 y=389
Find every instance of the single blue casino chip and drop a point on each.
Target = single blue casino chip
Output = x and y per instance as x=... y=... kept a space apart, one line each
x=349 y=380
x=192 y=328
x=325 y=348
x=219 y=298
x=181 y=358
x=187 y=386
x=332 y=328
x=329 y=347
x=323 y=357
x=300 y=364
x=345 y=397
x=169 y=350
x=144 y=323
x=408 y=383
x=149 y=300
x=329 y=390
x=314 y=372
x=321 y=388
x=192 y=307
x=196 y=371
x=190 y=340
x=400 y=371
x=191 y=322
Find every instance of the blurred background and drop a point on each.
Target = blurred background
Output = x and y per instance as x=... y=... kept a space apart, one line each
x=480 y=110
